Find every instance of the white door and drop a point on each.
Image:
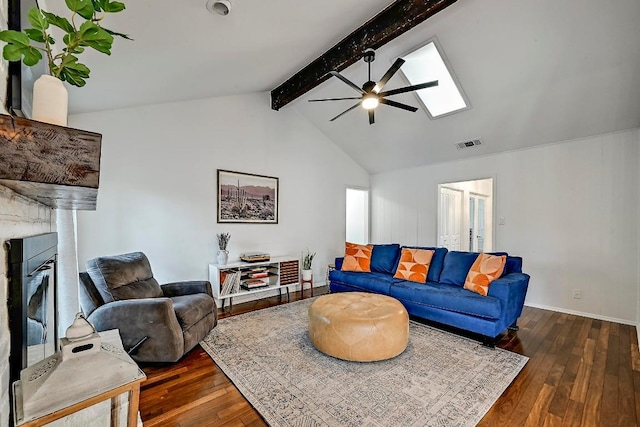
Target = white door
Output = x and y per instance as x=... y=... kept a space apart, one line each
x=450 y=214
x=477 y=222
x=357 y=216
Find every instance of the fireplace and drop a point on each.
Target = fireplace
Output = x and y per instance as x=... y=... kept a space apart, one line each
x=32 y=300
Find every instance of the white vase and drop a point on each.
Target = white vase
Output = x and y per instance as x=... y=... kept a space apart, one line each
x=307 y=274
x=50 y=101
x=223 y=257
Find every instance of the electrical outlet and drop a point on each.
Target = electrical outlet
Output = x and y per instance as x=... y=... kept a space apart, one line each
x=577 y=294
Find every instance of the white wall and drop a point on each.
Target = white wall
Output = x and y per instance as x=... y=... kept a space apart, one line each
x=638 y=259
x=158 y=183
x=571 y=211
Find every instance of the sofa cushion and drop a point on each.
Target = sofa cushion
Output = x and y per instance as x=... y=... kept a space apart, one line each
x=384 y=258
x=122 y=277
x=374 y=282
x=357 y=257
x=447 y=297
x=513 y=265
x=190 y=309
x=437 y=261
x=456 y=266
x=414 y=265
x=484 y=270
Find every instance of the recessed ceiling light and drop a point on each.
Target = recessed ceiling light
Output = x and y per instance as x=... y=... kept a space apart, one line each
x=425 y=64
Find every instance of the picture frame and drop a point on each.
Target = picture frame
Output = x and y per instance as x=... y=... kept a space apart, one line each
x=247 y=198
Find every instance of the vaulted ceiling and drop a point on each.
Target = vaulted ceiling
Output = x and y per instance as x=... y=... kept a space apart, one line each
x=535 y=71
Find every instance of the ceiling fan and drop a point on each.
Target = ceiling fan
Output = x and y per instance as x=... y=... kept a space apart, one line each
x=370 y=95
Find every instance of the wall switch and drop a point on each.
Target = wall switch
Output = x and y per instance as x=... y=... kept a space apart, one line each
x=577 y=294
x=501 y=221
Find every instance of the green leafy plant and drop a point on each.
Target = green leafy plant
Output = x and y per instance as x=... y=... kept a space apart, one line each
x=83 y=30
x=223 y=240
x=307 y=260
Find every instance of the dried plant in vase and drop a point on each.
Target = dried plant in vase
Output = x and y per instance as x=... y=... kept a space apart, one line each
x=223 y=253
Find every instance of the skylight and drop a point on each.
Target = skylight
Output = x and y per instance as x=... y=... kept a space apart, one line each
x=426 y=64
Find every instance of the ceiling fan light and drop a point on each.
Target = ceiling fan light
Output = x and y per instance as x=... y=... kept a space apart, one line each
x=370 y=102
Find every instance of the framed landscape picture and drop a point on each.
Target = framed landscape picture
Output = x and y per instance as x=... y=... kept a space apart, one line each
x=247 y=198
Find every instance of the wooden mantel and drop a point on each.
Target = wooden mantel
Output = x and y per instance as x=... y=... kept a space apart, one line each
x=55 y=165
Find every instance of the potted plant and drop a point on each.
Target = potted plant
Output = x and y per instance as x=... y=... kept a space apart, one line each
x=307 y=261
x=83 y=30
x=223 y=253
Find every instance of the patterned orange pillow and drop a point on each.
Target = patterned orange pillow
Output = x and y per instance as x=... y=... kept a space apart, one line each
x=414 y=265
x=357 y=257
x=484 y=270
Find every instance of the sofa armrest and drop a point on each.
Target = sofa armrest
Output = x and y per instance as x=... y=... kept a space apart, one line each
x=338 y=263
x=511 y=290
x=177 y=289
x=153 y=318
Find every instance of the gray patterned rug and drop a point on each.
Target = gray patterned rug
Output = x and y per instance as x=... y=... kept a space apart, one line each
x=441 y=379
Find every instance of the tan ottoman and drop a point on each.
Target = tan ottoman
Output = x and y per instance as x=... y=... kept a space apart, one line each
x=359 y=326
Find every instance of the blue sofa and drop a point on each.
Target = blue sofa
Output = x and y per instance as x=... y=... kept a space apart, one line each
x=443 y=299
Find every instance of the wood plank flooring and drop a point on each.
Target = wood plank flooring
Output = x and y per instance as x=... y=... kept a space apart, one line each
x=581 y=372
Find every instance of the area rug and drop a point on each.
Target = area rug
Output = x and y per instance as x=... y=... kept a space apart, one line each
x=441 y=379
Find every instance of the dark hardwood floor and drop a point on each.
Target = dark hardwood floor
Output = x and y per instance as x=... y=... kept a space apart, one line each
x=581 y=372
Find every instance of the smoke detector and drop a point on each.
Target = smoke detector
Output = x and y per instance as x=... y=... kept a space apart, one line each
x=221 y=7
x=468 y=144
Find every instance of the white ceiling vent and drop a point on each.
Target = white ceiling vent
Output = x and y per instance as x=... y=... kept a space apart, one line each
x=468 y=144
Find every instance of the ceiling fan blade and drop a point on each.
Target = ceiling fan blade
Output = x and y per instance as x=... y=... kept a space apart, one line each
x=390 y=72
x=347 y=81
x=372 y=119
x=345 y=111
x=333 y=99
x=409 y=88
x=398 y=105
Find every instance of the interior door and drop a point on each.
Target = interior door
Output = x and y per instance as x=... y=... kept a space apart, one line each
x=450 y=213
x=477 y=222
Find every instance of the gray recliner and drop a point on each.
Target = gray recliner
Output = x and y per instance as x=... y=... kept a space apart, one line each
x=119 y=292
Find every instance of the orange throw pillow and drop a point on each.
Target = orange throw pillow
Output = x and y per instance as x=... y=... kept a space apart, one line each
x=484 y=270
x=357 y=257
x=414 y=265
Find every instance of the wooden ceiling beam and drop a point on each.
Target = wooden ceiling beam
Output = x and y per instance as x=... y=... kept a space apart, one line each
x=394 y=20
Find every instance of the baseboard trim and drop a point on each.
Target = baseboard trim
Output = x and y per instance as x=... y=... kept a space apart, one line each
x=584 y=314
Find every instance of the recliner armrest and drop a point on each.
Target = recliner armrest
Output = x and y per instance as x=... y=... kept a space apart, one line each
x=177 y=289
x=154 y=318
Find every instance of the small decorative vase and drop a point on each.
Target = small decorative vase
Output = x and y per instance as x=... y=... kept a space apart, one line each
x=306 y=274
x=50 y=101
x=223 y=257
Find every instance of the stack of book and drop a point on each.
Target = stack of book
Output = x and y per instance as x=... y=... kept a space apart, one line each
x=254 y=283
x=255 y=278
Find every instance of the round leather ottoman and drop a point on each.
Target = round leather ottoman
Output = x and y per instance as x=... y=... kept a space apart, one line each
x=359 y=326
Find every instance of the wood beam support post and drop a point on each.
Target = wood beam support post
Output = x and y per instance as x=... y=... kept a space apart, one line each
x=394 y=20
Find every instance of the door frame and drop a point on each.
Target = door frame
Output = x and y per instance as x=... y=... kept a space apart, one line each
x=368 y=226
x=494 y=207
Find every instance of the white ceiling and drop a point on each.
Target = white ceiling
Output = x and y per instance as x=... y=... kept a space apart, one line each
x=535 y=72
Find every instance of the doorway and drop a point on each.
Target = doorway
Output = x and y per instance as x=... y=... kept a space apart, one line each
x=465 y=215
x=357 y=218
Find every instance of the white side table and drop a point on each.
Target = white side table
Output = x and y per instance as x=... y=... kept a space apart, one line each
x=132 y=389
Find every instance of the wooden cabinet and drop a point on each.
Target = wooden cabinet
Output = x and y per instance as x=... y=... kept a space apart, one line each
x=277 y=273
